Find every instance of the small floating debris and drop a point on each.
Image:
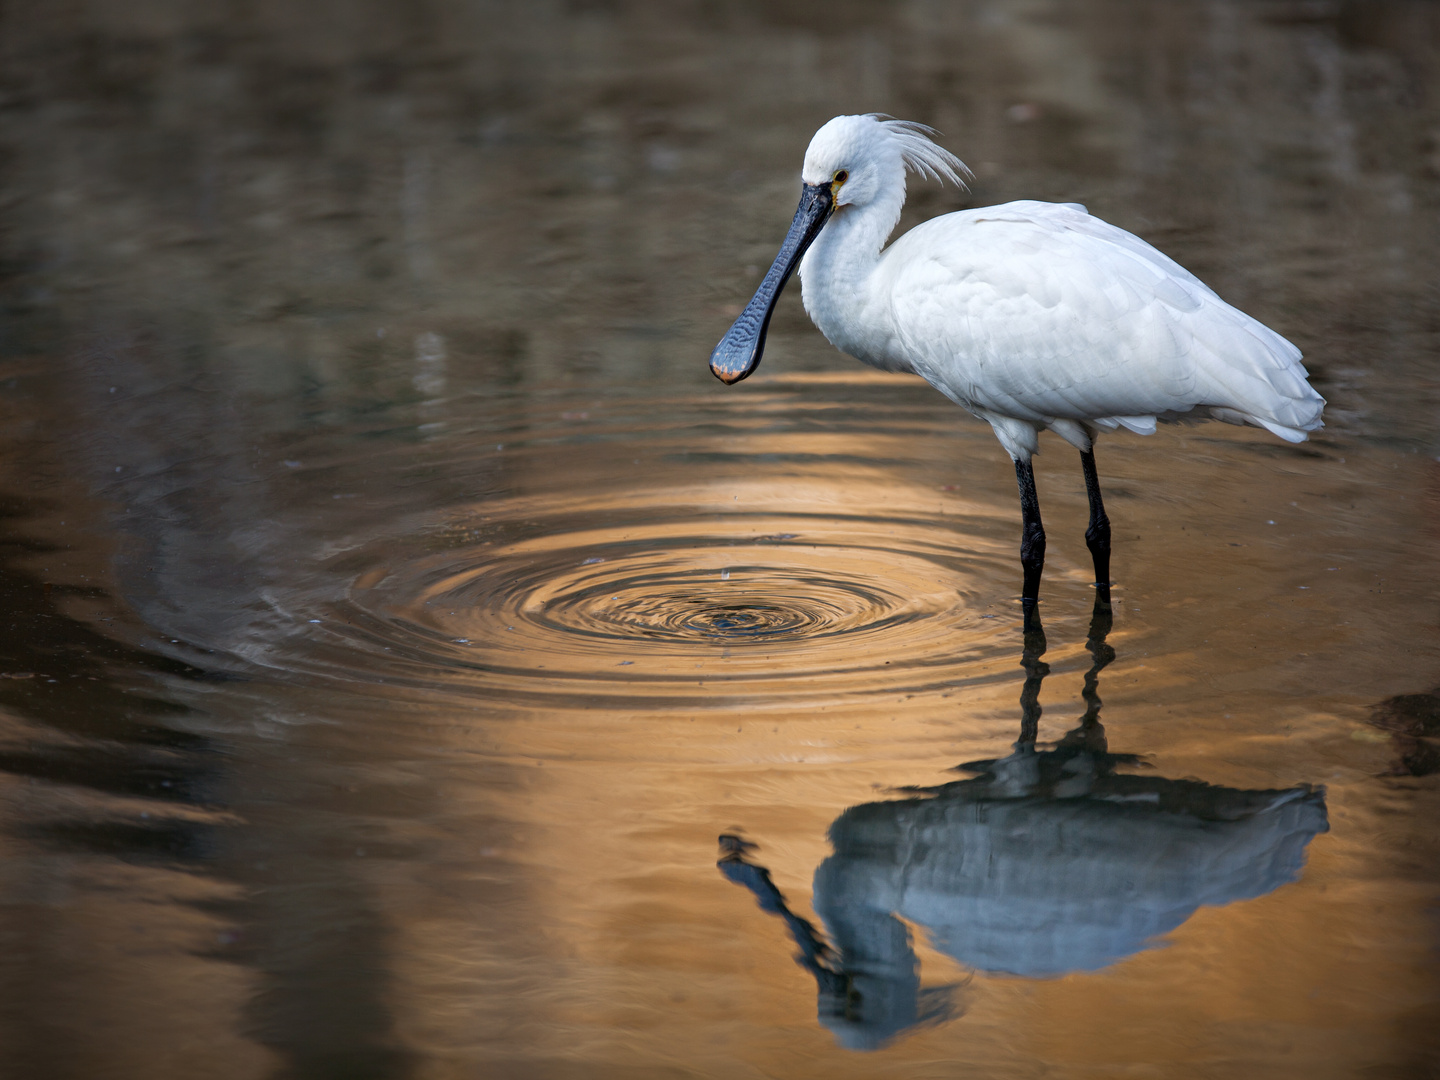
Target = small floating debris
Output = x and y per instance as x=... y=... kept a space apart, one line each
x=592 y=560
x=17 y=675
x=625 y=663
x=724 y=575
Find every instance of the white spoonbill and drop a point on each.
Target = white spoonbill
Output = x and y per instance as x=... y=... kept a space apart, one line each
x=1030 y=315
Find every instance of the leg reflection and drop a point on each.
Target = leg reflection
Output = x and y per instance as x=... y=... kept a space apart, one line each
x=1102 y=619
x=1089 y=735
x=1035 y=672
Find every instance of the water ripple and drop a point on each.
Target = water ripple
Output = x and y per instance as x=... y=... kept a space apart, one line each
x=539 y=602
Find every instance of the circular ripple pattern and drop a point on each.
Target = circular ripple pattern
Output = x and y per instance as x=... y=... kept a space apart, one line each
x=540 y=606
x=769 y=602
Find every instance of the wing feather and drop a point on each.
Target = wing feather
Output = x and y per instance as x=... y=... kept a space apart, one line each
x=1039 y=311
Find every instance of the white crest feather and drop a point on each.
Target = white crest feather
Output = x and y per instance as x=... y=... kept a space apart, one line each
x=921 y=154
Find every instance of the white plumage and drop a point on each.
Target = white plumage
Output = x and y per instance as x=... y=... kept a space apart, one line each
x=1031 y=315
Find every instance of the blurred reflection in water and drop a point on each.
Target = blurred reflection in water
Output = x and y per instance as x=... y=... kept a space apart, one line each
x=1048 y=862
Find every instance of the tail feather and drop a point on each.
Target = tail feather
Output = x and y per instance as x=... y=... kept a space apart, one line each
x=1256 y=377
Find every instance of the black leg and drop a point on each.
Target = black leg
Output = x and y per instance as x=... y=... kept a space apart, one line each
x=1032 y=536
x=1097 y=535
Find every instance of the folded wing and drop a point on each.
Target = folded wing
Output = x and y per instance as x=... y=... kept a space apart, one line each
x=1040 y=312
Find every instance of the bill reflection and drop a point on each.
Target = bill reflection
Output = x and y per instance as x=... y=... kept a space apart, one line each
x=1045 y=862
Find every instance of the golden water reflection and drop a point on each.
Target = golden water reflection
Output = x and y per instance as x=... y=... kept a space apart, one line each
x=1049 y=862
x=396 y=610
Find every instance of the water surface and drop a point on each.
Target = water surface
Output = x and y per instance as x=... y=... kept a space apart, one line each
x=404 y=625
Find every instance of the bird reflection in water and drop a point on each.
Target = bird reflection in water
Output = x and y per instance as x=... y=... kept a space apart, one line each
x=1047 y=861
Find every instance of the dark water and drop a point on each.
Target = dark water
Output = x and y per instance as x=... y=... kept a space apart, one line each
x=398 y=612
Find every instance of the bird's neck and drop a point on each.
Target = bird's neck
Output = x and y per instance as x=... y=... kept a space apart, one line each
x=835 y=277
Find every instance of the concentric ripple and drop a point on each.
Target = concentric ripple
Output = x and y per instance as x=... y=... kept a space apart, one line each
x=731 y=598
x=669 y=600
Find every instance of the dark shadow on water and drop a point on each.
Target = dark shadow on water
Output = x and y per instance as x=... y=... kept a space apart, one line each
x=1413 y=721
x=1045 y=862
x=96 y=720
x=94 y=730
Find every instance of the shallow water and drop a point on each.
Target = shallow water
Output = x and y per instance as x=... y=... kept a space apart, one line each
x=417 y=665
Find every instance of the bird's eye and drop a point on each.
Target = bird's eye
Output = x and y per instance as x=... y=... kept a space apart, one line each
x=841 y=176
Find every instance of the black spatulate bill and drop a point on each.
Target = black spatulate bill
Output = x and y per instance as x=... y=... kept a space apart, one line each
x=739 y=351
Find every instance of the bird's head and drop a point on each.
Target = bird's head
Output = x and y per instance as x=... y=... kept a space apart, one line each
x=862 y=158
x=855 y=158
x=852 y=161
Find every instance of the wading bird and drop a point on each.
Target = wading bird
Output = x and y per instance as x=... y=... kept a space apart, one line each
x=1031 y=315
